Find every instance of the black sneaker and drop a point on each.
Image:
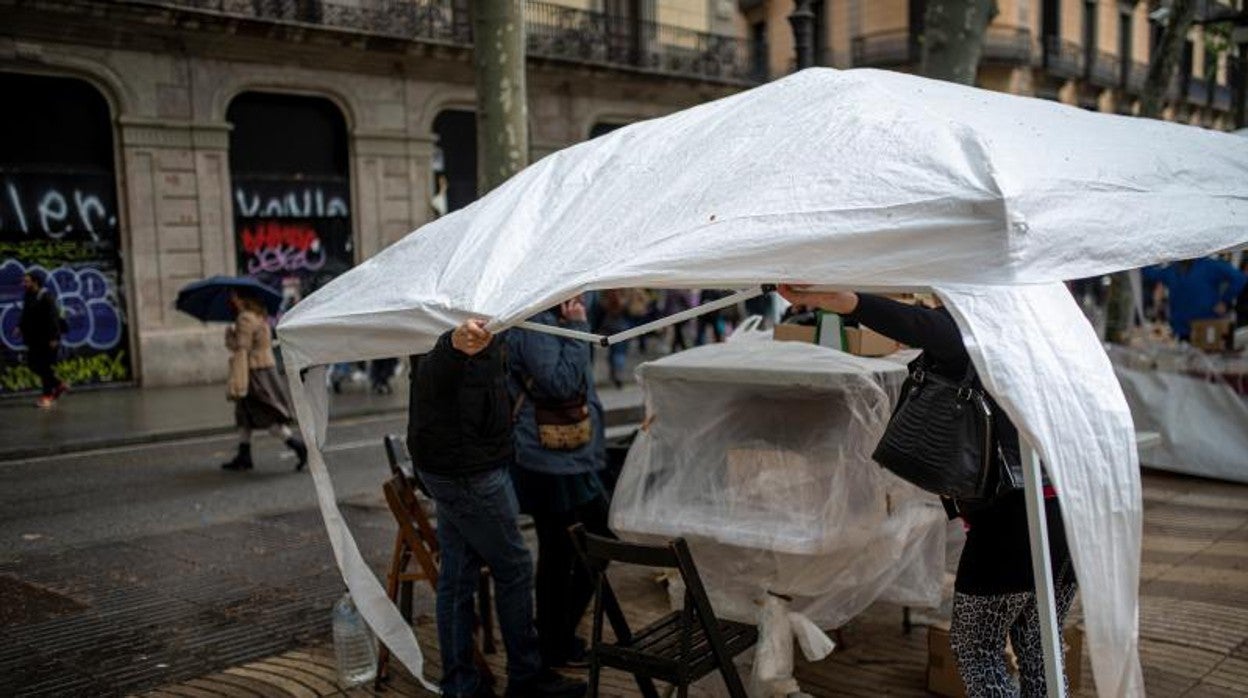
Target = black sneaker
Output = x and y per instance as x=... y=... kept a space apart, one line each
x=548 y=684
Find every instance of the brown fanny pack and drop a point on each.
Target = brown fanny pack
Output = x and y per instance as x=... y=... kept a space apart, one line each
x=561 y=425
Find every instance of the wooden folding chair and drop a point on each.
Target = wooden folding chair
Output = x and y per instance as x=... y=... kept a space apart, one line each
x=417 y=541
x=679 y=648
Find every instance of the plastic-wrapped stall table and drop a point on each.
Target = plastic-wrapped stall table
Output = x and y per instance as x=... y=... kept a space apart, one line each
x=759 y=454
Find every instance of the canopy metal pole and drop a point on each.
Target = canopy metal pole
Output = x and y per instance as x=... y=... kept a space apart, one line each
x=1042 y=566
x=683 y=315
x=563 y=332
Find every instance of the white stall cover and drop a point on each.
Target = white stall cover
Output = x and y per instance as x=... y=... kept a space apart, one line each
x=855 y=178
x=759 y=453
x=1178 y=392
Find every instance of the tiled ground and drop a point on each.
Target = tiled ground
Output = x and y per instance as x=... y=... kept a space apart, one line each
x=1193 y=620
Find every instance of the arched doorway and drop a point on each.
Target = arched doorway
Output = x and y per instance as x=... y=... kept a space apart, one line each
x=290 y=174
x=603 y=128
x=455 y=163
x=58 y=214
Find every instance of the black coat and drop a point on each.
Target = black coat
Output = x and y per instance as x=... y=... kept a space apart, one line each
x=40 y=320
x=459 y=414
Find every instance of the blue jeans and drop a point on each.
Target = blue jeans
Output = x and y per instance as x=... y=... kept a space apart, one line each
x=477 y=525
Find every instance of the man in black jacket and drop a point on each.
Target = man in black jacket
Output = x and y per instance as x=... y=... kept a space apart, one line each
x=460 y=437
x=40 y=325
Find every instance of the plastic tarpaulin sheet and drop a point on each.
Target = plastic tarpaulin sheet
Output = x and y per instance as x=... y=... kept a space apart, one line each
x=759 y=454
x=852 y=178
x=1202 y=421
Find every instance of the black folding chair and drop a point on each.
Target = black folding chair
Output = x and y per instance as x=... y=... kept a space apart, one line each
x=679 y=648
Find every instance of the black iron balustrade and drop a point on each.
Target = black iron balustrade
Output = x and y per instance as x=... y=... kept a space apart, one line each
x=1137 y=74
x=1063 y=59
x=1104 y=70
x=442 y=21
x=898 y=47
x=1222 y=98
x=566 y=33
x=553 y=31
x=1197 y=91
x=1010 y=45
x=885 y=49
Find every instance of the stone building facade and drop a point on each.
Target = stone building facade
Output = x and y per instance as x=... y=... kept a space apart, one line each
x=150 y=143
x=1090 y=53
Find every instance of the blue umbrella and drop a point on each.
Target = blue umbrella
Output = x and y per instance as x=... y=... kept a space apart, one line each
x=208 y=300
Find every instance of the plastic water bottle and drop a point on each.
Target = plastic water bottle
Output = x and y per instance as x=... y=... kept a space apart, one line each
x=353 y=644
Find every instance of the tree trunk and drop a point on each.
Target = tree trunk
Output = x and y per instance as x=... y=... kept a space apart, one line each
x=1239 y=89
x=1163 y=62
x=953 y=38
x=502 y=102
x=1161 y=69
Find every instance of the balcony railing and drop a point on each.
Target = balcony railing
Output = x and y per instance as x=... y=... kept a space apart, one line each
x=885 y=49
x=1222 y=98
x=1063 y=59
x=897 y=47
x=1197 y=91
x=1011 y=45
x=443 y=21
x=1103 y=69
x=553 y=31
x=1137 y=75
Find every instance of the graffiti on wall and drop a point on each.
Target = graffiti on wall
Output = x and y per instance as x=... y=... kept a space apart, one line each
x=271 y=200
x=282 y=246
x=65 y=226
x=49 y=207
x=292 y=234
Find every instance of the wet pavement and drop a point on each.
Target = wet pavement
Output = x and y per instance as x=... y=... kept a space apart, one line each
x=105 y=418
x=1193 y=621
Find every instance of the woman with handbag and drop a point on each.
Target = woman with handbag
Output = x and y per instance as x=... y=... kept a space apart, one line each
x=255 y=387
x=560 y=450
x=994 y=592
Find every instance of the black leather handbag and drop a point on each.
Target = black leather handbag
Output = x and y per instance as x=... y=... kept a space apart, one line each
x=942 y=438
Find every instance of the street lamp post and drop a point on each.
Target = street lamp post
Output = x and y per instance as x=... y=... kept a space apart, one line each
x=803 y=21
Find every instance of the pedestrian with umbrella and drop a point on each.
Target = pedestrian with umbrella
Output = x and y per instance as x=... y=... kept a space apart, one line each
x=254 y=386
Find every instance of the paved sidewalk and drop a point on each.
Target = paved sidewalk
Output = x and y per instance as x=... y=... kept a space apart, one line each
x=102 y=418
x=117 y=417
x=1193 y=621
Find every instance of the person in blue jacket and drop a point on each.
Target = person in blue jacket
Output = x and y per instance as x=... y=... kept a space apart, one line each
x=1200 y=289
x=560 y=449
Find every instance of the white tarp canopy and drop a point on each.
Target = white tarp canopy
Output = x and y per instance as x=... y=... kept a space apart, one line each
x=855 y=178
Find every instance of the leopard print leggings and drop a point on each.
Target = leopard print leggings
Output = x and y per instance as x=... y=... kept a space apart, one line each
x=980 y=625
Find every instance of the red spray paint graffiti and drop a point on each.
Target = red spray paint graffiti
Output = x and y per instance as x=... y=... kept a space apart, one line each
x=277 y=246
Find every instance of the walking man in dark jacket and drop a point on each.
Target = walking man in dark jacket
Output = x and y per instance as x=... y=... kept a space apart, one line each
x=459 y=433
x=40 y=325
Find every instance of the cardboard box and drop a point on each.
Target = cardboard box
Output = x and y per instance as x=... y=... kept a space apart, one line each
x=942 y=667
x=865 y=341
x=794 y=333
x=774 y=479
x=1211 y=335
x=862 y=341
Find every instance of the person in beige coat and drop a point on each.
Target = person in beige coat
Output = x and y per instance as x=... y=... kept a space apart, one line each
x=255 y=386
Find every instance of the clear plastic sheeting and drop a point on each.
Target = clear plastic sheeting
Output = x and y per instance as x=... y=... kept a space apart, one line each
x=1182 y=394
x=759 y=454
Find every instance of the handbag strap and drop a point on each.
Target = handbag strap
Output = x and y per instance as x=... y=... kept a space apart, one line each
x=970 y=380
